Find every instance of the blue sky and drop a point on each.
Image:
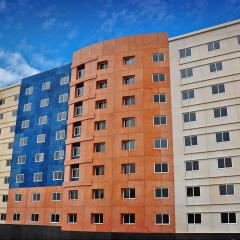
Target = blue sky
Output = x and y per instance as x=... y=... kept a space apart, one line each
x=37 y=35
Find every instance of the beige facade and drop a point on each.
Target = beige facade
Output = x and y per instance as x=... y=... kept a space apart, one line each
x=211 y=68
x=8 y=110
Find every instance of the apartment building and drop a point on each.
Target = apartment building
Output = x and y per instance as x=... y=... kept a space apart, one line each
x=39 y=147
x=205 y=82
x=118 y=165
x=8 y=112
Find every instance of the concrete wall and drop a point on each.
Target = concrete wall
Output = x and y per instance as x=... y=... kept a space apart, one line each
x=9 y=120
x=210 y=204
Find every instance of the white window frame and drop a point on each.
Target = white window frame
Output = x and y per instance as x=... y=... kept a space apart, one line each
x=44 y=102
x=37 y=177
x=25 y=124
x=39 y=157
x=41 y=138
x=60 y=135
x=63 y=98
x=60 y=153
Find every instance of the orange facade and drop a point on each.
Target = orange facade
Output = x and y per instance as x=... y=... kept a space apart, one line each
x=110 y=62
x=114 y=128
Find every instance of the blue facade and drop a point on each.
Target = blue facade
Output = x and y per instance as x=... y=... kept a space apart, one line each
x=53 y=125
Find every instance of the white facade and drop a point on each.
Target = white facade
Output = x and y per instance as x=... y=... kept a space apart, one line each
x=8 y=108
x=210 y=204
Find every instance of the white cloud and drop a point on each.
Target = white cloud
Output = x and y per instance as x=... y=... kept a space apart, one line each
x=139 y=12
x=13 y=68
x=44 y=63
x=49 y=23
x=2 y=6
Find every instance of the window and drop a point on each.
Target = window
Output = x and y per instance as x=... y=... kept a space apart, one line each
x=128 y=122
x=186 y=73
x=158 y=77
x=56 y=196
x=2 y=101
x=81 y=71
x=39 y=157
x=97 y=218
x=101 y=104
x=128 y=168
x=101 y=84
x=99 y=147
x=42 y=120
x=29 y=91
x=64 y=80
x=34 y=217
x=46 y=86
x=227 y=217
x=73 y=195
x=36 y=197
x=128 y=193
x=79 y=89
x=160 y=167
x=8 y=162
x=21 y=159
x=14 y=113
x=10 y=145
x=159 y=98
x=25 y=124
x=213 y=46
x=23 y=141
x=27 y=107
x=6 y=180
x=102 y=65
x=220 y=112
x=55 y=218
x=98 y=170
x=194 y=218
x=77 y=129
x=187 y=94
x=127 y=80
x=100 y=125
x=129 y=60
x=12 y=129
x=74 y=172
x=128 y=145
x=37 y=177
x=19 y=178
x=58 y=154
x=44 y=102
x=219 y=88
x=16 y=217
x=214 y=67
x=127 y=218
x=159 y=120
x=62 y=116
x=78 y=109
x=189 y=117
x=160 y=143
x=76 y=150
x=1 y=116
x=16 y=97
x=225 y=162
x=18 y=197
x=4 y=198
x=161 y=192
x=226 y=189
x=57 y=175
x=97 y=193
x=72 y=218
x=158 y=57
x=129 y=100
x=190 y=140
x=192 y=165
x=162 y=218
x=222 y=137
x=41 y=138
x=3 y=216
x=185 y=52
x=63 y=98
x=60 y=135
x=193 y=191
x=238 y=39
